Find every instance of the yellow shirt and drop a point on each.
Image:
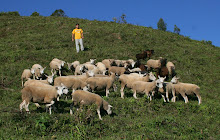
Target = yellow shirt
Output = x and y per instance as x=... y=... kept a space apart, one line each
x=78 y=33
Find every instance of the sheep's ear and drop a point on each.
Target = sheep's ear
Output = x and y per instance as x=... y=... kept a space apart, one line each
x=165 y=77
x=110 y=106
x=159 y=76
x=46 y=75
x=57 y=88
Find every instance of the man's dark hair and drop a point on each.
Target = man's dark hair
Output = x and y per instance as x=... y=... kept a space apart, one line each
x=77 y=23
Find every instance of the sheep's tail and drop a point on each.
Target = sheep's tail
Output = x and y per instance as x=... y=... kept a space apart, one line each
x=173 y=72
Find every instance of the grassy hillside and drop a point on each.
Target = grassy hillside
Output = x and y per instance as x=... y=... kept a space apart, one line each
x=25 y=41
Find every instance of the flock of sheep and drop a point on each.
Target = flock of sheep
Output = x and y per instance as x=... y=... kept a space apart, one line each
x=91 y=76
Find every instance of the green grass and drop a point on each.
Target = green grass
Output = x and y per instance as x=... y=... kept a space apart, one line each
x=25 y=41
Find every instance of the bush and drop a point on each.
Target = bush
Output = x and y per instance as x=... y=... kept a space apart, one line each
x=58 y=13
x=161 y=25
x=35 y=14
x=14 y=13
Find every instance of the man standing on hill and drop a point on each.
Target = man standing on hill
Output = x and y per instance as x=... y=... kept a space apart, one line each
x=78 y=37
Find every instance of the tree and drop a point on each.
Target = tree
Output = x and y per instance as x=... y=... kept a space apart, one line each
x=35 y=14
x=14 y=13
x=161 y=25
x=120 y=19
x=176 y=30
x=58 y=13
x=123 y=20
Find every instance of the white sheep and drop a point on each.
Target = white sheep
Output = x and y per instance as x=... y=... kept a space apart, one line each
x=40 y=93
x=108 y=62
x=154 y=63
x=47 y=81
x=80 y=69
x=117 y=70
x=127 y=80
x=101 y=83
x=72 y=66
x=87 y=98
x=27 y=74
x=55 y=65
x=101 y=67
x=146 y=87
x=37 y=70
x=171 y=68
x=91 y=61
x=184 y=89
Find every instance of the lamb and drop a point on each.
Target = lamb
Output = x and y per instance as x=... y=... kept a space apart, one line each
x=154 y=63
x=27 y=74
x=87 y=98
x=101 y=67
x=71 y=82
x=72 y=66
x=171 y=68
x=37 y=71
x=108 y=62
x=41 y=93
x=91 y=61
x=184 y=89
x=144 y=54
x=55 y=65
x=146 y=87
x=127 y=80
x=80 y=69
x=101 y=83
x=48 y=81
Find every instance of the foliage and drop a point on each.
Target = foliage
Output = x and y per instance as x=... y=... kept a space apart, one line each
x=122 y=19
x=13 y=13
x=161 y=25
x=58 y=13
x=207 y=42
x=35 y=14
x=176 y=30
x=25 y=41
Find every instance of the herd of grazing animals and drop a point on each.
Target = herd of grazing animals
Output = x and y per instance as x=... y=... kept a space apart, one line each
x=90 y=76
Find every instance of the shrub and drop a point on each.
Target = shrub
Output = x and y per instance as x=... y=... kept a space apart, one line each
x=35 y=14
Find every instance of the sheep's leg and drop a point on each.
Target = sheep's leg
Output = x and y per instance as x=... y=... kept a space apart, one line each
x=167 y=96
x=148 y=95
x=49 y=105
x=58 y=98
x=115 y=87
x=199 y=98
x=107 y=92
x=26 y=108
x=184 y=97
x=135 y=94
x=174 y=96
x=164 y=99
x=98 y=111
x=122 y=91
x=71 y=109
x=22 y=82
x=22 y=105
x=59 y=72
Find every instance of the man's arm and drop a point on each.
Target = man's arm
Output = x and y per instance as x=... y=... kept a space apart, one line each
x=72 y=37
x=82 y=35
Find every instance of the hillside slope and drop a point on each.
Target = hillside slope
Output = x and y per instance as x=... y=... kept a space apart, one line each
x=25 y=41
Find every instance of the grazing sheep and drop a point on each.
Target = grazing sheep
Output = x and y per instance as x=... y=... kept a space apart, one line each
x=154 y=63
x=48 y=81
x=84 y=76
x=108 y=62
x=184 y=89
x=89 y=66
x=144 y=54
x=146 y=87
x=26 y=75
x=40 y=93
x=80 y=69
x=101 y=83
x=91 y=61
x=167 y=88
x=101 y=67
x=117 y=70
x=87 y=98
x=128 y=80
x=72 y=66
x=70 y=82
x=171 y=68
x=55 y=65
x=37 y=70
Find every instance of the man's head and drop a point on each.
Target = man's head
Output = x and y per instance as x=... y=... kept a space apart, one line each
x=77 y=26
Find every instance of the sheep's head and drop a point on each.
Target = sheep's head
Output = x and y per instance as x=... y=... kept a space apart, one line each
x=174 y=80
x=109 y=110
x=69 y=65
x=159 y=82
x=42 y=70
x=85 y=88
x=92 y=61
x=62 y=89
x=151 y=76
x=32 y=71
x=50 y=79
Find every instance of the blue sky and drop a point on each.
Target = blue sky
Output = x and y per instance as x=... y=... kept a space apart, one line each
x=198 y=19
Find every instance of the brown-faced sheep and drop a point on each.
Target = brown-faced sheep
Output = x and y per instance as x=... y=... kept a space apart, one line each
x=41 y=93
x=146 y=87
x=81 y=97
x=127 y=80
x=101 y=83
x=185 y=89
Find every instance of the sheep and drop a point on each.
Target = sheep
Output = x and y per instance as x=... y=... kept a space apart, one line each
x=167 y=88
x=127 y=81
x=108 y=62
x=56 y=65
x=117 y=70
x=184 y=89
x=154 y=63
x=134 y=70
x=129 y=63
x=40 y=93
x=59 y=61
x=27 y=74
x=146 y=87
x=48 y=81
x=171 y=68
x=91 y=61
x=84 y=76
x=72 y=66
x=144 y=54
x=37 y=71
x=101 y=67
x=101 y=83
x=89 y=66
x=87 y=98
x=80 y=69
x=71 y=82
